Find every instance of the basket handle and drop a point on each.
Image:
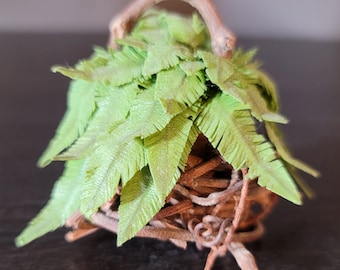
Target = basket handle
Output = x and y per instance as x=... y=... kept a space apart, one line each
x=222 y=39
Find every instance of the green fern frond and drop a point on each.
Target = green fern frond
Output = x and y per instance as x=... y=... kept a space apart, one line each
x=193 y=135
x=218 y=70
x=190 y=31
x=276 y=138
x=146 y=115
x=236 y=139
x=124 y=67
x=139 y=202
x=113 y=108
x=110 y=163
x=81 y=106
x=259 y=108
x=172 y=139
x=65 y=200
x=268 y=89
x=242 y=58
x=161 y=57
x=176 y=95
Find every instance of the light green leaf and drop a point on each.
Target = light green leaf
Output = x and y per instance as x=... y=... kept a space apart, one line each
x=133 y=42
x=146 y=115
x=139 y=203
x=113 y=108
x=275 y=137
x=110 y=163
x=177 y=91
x=188 y=31
x=259 y=108
x=164 y=151
x=219 y=69
x=193 y=135
x=191 y=67
x=84 y=68
x=161 y=57
x=65 y=200
x=81 y=105
x=241 y=58
x=151 y=28
x=125 y=67
x=266 y=84
x=232 y=131
x=73 y=73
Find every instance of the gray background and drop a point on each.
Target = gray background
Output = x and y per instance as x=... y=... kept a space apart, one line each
x=284 y=19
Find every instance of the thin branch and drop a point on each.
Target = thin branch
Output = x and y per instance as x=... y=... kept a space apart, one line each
x=243 y=257
x=222 y=39
x=212 y=198
x=111 y=224
x=238 y=213
x=199 y=170
x=221 y=250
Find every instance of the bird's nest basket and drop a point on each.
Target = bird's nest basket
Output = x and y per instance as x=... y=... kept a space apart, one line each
x=187 y=107
x=211 y=205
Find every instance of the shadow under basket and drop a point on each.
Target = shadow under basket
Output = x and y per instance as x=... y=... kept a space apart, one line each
x=206 y=206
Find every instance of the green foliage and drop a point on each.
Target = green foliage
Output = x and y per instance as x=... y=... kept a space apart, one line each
x=65 y=200
x=81 y=105
x=139 y=203
x=236 y=139
x=134 y=114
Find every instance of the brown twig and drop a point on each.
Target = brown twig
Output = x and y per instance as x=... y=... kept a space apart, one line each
x=213 y=198
x=243 y=257
x=221 y=250
x=174 y=209
x=222 y=39
x=238 y=213
x=199 y=170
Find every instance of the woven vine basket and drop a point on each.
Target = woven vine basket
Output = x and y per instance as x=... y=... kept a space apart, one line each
x=170 y=133
x=205 y=207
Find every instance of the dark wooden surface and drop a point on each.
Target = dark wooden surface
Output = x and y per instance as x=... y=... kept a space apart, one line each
x=32 y=101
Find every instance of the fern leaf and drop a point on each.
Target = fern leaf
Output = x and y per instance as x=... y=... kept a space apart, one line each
x=177 y=91
x=241 y=58
x=134 y=42
x=73 y=73
x=266 y=84
x=190 y=31
x=193 y=135
x=259 y=108
x=166 y=148
x=218 y=69
x=231 y=130
x=151 y=28
x=84 y=68
x=81 y=105
x=305 y=188
x=65 y=200
x=139 y=203
x=113 y=108
x=110 y=163
x=125 y=66
x=192 y=67
x=162 y=57
x=276 y=139
x=146 y=115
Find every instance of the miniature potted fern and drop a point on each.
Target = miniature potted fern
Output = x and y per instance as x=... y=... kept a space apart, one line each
x=170 y=133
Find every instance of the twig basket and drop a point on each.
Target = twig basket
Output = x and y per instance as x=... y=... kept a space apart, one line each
x=212 y=204
x=191 y=140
